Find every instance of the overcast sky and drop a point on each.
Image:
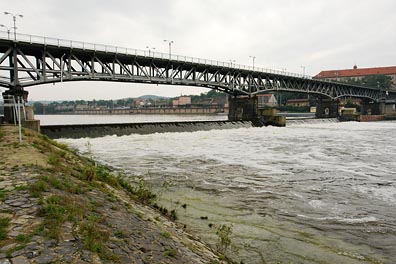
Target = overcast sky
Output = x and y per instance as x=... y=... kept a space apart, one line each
x=281 y=34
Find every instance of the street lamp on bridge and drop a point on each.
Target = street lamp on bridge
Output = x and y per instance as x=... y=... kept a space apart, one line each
x=150 y=49
x=170 y=47
x=232 y=62
x=14 y=16
x=303 y=67
x=8 y=30
x=253 y=58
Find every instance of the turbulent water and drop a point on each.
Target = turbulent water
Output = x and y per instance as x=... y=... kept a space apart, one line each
x=307 y=193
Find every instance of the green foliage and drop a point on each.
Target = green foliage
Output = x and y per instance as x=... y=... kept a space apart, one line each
x=143 y=191
x=3 y=195
x=4 y=222
x=223 y=233
x=56 y=210
x=169 y=252
x=23 y=239
x=104 y=174
x=94 y=238
x=36 y=189
x=166 y=234
x=54 y=159
x=379 y=81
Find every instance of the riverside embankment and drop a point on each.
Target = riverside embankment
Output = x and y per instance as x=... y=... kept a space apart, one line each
x=59 y=207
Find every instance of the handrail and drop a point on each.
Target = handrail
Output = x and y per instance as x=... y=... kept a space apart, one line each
x=71 y=44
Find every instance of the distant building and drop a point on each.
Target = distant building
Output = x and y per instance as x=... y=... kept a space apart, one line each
x=266 y=100
x=358 y=73
x=182 y=101
x=298 y=102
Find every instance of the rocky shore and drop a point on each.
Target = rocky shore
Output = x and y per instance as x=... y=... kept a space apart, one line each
x=59 y=207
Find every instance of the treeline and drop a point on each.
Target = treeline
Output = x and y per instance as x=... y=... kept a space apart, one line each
x=127 y=103
x=379 y=81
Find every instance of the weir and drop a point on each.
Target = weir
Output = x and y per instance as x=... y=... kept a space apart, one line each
x=100 y=130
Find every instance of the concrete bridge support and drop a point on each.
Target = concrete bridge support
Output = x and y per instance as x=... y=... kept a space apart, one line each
x=9 y=112
x=242 y=108
x=326 y=108
x=245 y=109
x=26 y=112
x=369 y=107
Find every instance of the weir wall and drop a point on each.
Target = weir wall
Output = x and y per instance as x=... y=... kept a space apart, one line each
x=100 y=130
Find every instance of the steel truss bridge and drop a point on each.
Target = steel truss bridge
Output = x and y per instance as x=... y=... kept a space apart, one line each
x=32 y=60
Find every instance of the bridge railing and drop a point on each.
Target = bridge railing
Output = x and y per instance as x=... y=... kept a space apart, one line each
x=32 y=39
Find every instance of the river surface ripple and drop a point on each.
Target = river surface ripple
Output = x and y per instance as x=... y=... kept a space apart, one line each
x=307 y=193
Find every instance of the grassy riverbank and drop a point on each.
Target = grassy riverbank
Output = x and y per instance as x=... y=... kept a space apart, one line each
x=59 y=207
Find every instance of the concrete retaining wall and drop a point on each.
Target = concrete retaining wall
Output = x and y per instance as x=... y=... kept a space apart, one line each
x=100 y=130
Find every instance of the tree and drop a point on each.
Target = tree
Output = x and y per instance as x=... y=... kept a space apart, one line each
x=379 y=81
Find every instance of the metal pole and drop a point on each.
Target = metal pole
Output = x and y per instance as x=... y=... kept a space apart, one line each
x=14 y=27
x=170 y=42
x=303 y=67
x=14 y=16
x=61 y=66
x=19 y=119
x=253 y=58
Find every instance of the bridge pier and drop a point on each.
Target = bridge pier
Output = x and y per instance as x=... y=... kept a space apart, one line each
x=326 y=108
x=26 y=113
x=242 y=108
x=246 y=109
x=9 y=112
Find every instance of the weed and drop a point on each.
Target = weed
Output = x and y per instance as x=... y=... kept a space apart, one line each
x=143 y=191
x=93 y=237
x=23 y=239
x=4 y=222
x=54 y=159
x=119 y=234
x=169 y=252
x=58 y=209
x=3 y=195
x=173 y=215
x=223 y=233
x=166 y=234
x=37 y=188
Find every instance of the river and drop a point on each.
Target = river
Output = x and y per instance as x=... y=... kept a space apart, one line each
x=308 y=193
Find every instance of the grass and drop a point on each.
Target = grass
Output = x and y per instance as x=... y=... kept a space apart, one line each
x=166 y=234
x=23 y=239
x=36 y=189
x=4 y=222
x=169 y=252
x=56 y=210
x=3 y=195
x=223 y=233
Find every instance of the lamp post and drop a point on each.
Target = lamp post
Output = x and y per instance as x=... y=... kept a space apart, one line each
x=8 y=30
x=303 y=67
x=149 y=49
x=170 y=42
x=232 y=61
x=14 y=16
x=253 y=58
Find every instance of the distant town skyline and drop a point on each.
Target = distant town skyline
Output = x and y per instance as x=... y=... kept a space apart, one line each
x=297 y=36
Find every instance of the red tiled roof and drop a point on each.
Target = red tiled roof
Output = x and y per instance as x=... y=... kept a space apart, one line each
x=357 y=72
